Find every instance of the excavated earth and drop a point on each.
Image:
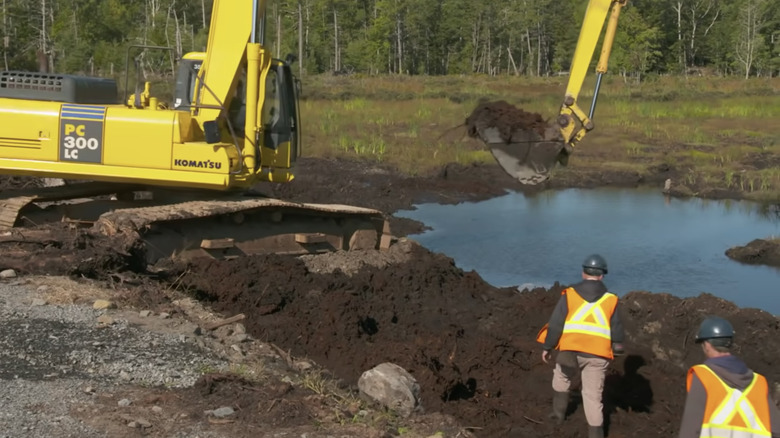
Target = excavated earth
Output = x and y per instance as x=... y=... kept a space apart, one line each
x=506 y=117
x=757 y=252
x=470 y=345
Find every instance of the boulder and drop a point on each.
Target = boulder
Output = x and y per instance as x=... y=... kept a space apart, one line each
x=391 y=386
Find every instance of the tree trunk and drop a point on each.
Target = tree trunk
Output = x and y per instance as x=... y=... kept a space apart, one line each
x=179 y=47
x=530 y=50
x=475 y=45
x=203 y=11
x=43 y=56
x=399 y=44
x=681 y=57
x=154 y=5
x=6 y=38
x=750 y=21
x=336 y=55
x=278 y=30
x=300 y=37
x=538 y=50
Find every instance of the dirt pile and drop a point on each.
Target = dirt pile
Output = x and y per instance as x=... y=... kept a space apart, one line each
x=471 y=346
x=61 y=249
x=506 y=118
x=757 y=252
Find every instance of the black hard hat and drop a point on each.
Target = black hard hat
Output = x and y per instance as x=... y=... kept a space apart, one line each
x=715 y=328
x=594 y=264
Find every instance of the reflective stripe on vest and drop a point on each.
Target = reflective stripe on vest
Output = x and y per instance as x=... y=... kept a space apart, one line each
x=730 y=412
x=587 y=327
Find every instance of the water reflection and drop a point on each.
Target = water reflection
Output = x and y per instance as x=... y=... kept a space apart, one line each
x=651 y=243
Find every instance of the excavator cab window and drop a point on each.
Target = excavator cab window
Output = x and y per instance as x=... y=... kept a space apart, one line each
x=186 y=79
x=186 y=83
x=280 y=111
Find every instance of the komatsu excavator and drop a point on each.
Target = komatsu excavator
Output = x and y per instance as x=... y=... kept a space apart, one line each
x=234 y=122
x=528 y=150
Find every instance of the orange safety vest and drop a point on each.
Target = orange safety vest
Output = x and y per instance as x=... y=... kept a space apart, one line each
x=731 y=412
x=587 y=328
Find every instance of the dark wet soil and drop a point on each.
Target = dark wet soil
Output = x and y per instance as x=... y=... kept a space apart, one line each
x=757 y=252
x=505 y=117
x=470 y=345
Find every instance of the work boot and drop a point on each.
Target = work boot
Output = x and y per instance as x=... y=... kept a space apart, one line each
x=595 y=432
x=559 y=404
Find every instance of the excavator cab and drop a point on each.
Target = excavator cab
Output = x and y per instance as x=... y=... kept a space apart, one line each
x=524 y=144
x=280 y=112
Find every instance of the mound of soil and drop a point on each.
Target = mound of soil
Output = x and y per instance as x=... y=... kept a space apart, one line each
x=506 y=118
x=60 y=249
x=472 y=346
x=757 y=252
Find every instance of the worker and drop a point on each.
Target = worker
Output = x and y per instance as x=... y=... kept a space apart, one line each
x=726 y=398
x=585 y=326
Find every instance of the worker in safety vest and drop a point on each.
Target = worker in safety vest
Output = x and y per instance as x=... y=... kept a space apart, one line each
x=725 y=398
x=585 y=326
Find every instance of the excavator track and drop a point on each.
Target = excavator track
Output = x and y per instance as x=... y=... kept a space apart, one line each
x=239 y=226
x=13 y=202
x=220 y=225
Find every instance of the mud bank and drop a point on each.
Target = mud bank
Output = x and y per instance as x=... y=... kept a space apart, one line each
x=471 y=346
x=757 y=252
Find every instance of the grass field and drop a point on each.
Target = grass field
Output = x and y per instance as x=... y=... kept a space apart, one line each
x=721 y=131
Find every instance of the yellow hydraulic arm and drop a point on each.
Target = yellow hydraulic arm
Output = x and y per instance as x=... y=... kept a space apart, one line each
x=592 y=24
x=529 y=153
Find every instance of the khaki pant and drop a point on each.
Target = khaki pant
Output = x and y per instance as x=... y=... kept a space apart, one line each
x=593 y=371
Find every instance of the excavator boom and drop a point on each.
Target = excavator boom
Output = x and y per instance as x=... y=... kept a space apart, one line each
x=523 y=144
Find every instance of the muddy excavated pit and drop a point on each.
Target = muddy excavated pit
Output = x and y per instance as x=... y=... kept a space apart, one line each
x=470 y=345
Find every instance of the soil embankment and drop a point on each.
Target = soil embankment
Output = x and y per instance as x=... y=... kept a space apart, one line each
x=472 y=346
x=757 y=252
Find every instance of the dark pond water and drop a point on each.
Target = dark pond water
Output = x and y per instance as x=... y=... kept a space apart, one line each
x=650 y=242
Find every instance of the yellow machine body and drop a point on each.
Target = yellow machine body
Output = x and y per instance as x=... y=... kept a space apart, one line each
x=143 y=141
x=112 y=143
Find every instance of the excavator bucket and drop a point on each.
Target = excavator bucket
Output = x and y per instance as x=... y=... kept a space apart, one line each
x=522 y=143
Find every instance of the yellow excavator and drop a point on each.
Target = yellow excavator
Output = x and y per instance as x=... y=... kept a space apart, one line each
x=526 y=146
x=234 y=122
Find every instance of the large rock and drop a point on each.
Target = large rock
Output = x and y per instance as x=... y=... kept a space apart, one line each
x=392 y=387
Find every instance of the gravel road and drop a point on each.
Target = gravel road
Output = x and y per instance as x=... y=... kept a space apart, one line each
x=57 y=357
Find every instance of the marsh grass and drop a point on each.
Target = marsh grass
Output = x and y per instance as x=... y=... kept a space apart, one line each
x=713 y=126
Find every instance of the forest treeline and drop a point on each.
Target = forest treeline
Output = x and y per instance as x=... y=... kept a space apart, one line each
x=415 y=37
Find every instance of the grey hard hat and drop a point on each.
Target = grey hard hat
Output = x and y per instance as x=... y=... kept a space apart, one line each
x=715 y=328
x=594 y=264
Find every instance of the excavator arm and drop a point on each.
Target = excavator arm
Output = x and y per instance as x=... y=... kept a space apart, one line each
x=524 y=144
x=574 y=122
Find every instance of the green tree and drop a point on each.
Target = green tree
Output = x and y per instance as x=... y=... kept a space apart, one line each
x=637 y=45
